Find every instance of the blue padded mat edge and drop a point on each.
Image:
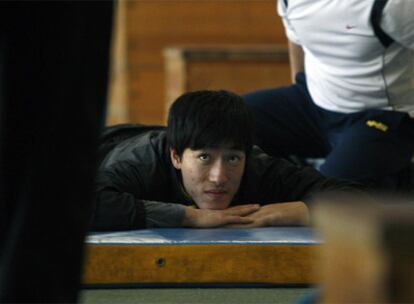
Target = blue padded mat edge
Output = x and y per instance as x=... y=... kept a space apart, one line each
x=188 y=236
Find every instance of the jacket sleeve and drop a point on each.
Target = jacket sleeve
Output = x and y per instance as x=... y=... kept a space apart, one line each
x=286 y=182
x=119 y=203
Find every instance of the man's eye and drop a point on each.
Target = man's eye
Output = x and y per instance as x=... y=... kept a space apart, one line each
x=204 y=157
x=234 y=159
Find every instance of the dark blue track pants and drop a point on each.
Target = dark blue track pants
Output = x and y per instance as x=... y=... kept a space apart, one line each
x=372 y=147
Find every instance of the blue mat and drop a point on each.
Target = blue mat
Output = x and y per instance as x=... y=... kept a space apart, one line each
x=184 y=236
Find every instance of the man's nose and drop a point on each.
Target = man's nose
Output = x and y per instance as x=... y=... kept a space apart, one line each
x=218 y=173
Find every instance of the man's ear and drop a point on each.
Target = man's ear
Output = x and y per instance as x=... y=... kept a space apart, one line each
x=175 y=159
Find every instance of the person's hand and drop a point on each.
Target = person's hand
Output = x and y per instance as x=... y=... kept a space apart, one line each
x=278 y=214
x=205 y=218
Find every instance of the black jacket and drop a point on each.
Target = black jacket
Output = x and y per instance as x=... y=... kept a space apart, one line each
x=136 y=177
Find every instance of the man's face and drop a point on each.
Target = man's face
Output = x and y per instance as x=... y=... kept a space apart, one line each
x=211 y=176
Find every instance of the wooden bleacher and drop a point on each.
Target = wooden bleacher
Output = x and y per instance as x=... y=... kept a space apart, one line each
x=144 y=29
x=238 y=68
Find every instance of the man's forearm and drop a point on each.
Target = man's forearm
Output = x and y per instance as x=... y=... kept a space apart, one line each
x=205 y=218
x=116 y=211
x=162 y=215
x=279 y=214
x=190 y=216
x=290 y=214
x=296 y=59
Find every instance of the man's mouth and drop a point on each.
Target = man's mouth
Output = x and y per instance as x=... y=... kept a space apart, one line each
x=216 y=193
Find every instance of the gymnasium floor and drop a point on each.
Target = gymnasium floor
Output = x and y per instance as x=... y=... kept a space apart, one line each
x=194 y=295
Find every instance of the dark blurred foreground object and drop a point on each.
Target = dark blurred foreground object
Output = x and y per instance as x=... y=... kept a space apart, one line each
x=53 y=80
x=368 y=256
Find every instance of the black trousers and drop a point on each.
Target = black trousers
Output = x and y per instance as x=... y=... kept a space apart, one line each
x=53 y=80
x=373 y=147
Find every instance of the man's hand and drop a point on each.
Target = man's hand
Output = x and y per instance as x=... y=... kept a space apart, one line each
x=278 y=214
x=205 y=218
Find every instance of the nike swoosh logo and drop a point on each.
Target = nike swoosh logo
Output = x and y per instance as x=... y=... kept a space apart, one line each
x=350 y=27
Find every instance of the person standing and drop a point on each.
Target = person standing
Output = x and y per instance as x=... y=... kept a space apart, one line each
x=54 y=60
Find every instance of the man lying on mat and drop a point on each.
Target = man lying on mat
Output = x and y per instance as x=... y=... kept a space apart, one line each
x=200 y=171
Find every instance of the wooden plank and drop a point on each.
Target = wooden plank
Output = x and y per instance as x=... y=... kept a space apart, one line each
x=283 y=255
x=214 y=263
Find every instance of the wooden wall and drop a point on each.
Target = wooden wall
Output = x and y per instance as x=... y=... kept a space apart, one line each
x=229 y=67
x=153 y=25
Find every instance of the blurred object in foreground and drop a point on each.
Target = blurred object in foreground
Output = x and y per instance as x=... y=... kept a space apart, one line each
x=369 y=252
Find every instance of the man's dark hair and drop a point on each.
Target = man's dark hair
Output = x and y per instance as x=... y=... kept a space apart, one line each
x=209 y=119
